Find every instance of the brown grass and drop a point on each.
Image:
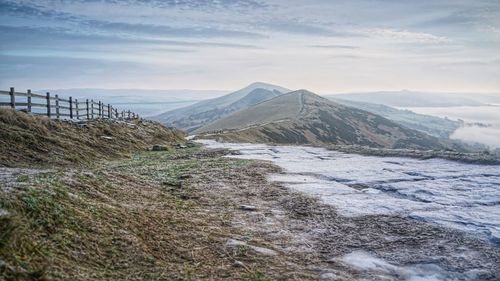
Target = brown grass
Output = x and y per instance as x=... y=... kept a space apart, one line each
x=27 y=140
x=121 y=220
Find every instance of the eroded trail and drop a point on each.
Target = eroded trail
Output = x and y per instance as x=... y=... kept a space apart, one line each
x=365 y=229
x=195 y=214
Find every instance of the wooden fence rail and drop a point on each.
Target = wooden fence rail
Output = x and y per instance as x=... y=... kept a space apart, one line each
x=56 y=107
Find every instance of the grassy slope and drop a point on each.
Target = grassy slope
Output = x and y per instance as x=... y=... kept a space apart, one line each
x=26 y=140
x=168 y=215
x=111 y=218
x=302 y=117
x=122 y=219
x=283 y=107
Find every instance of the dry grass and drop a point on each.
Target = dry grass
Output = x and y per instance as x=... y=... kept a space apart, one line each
x=123 y=220
x=140 y=218
x=27 y=140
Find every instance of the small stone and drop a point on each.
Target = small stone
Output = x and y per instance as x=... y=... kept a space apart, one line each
x=183 y=177
x=107 y=137
x=158 y=147
x=239 y=264
x=3 y=213
x=329 y=276
x=259 y=250
x=181 y=146
x=247 y=208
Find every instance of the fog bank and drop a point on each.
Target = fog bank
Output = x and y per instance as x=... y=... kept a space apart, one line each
x=489 y=136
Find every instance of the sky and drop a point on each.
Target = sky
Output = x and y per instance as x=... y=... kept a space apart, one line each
x=326 y=46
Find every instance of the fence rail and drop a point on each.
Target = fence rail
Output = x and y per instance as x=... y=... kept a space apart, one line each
x=56 y=107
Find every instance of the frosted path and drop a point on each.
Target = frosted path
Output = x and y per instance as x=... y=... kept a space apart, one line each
x=457 y=195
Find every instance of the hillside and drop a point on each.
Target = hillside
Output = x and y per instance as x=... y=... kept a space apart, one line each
x=302 y=117
x=93 y=203
x=204 y=112
x=27 y=140
x=432 y=125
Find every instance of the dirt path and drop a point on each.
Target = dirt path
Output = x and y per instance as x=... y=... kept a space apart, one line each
x=193 y=214
x=315 y=243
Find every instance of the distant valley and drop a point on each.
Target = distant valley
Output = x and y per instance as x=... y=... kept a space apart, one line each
x=406 y=98
x=142 y=101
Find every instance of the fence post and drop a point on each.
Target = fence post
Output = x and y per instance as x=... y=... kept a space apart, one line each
x=100 y=109
x=29 y=101
x=48 y=104
x=88 y=114
x=77 y=110
x=128 y=115
x=70 y=107
x=12 y=97
x=57 y=106
x=92 y=109
x=109 y=111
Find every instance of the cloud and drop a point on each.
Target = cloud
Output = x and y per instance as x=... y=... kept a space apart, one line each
x=190 y=4
x=215 y=37
x=348 y=47
x=167 y=31
x=406 y=36
x=98 y=26
x=293 y=27
x=16 y=37
x=489 y=136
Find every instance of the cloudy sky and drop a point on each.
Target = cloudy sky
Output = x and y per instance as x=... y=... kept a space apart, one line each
x=326 y=46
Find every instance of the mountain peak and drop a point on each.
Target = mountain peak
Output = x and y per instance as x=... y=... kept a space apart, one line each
x=267 y=86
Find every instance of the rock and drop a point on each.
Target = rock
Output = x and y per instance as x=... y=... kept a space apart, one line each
x=180 y=145
x=88 y=174
x=183 y=177
x=329 y=276
x=3 y=213
x=107 y=138
x=247 y=208
x=238 y=264
x=259 y=250
x=264 y=251
x=158 y=147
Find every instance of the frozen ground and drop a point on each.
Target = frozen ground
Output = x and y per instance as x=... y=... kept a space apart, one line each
x=457 y=195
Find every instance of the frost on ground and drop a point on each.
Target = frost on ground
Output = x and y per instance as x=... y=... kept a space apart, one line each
x=457 y=195
x=383 y=270
x=369 y=235
x=193 y=214
x=15 y=177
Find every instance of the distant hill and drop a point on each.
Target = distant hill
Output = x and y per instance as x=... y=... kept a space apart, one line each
x=199 y=114
x=407 y=98
x=301 y=117
x=432 y=125
x=143 y=101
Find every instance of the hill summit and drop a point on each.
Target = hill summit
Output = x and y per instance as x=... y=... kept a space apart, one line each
x=204 y=112
x=302 y=117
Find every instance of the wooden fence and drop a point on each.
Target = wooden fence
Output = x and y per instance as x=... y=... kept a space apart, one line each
x=56 y=107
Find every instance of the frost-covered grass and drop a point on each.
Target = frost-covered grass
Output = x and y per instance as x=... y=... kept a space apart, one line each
x=128 y=219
